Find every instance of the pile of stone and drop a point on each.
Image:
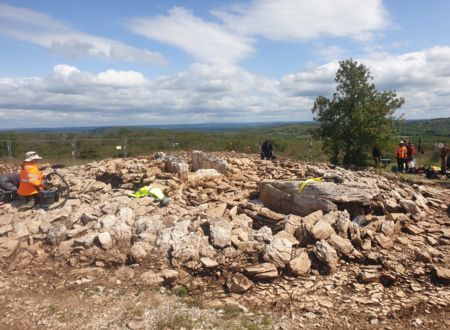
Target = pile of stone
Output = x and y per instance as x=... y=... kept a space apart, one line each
x=237 y=219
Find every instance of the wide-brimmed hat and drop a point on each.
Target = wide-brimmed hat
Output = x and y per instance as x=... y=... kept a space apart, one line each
x=32 y=155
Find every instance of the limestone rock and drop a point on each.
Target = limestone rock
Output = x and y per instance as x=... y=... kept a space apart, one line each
x=288 y=236
x=127 y=215
x=264 y=271
x=422 y=255
x=191 y=248
x=169 y=276
x=283 y=196
x=170 y=235
x=292 y=222
x=367 y=276
x=200 y=160
x=150 y=278
x=238 y=283
x=140 y=250
x=263 y=234
x=220 y=232
x=152 y=224
x=278 y=252
x=105 y=240
x=341 y=245
x=7 y=246
x=300 y=265
x=442 y=274
x=326 y=254
x=409 y=206
x=174 y=165
x=384 y=241
x=208 y=262
x=21 y=230
x=322 y=230
x=56 y=234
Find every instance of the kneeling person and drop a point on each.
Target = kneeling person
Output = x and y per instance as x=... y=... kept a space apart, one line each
x=30 y=180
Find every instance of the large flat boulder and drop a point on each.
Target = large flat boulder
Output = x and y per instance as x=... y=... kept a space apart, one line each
x=201 y=160
x=283 y=196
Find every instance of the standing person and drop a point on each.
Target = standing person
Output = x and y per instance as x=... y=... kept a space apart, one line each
x=410 y=157
x=266 y=150
x=401 y=154
x=444 y=152
x=376 y=155
x=31 y=180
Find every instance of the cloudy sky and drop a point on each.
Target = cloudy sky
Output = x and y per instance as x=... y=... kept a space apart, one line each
x=87 y=63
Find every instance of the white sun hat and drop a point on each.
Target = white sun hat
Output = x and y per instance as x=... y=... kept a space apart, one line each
x=32 y=155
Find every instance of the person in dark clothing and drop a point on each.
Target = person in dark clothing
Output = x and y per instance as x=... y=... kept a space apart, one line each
x=376 y=155
x=266 y=150
x=8 y=184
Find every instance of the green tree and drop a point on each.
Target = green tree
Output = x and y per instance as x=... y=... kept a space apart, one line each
x=357 y=116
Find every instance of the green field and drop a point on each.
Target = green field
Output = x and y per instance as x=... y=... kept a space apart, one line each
x=289 y=140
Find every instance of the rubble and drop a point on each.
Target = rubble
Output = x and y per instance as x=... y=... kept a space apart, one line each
x=241 y=223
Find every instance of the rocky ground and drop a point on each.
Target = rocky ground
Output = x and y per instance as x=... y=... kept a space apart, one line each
x=237 y=247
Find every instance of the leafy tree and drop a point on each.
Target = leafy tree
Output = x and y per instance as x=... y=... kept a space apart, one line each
x=357 y=117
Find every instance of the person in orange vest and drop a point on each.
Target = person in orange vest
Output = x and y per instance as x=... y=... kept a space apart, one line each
x=401 y=154
x=31 y=180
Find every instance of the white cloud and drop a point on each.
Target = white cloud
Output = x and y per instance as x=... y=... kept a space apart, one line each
x=206 y=41
x=304 y=20
x=204 y=93
x=232 y=36
x=43 y=30
x=329 y=52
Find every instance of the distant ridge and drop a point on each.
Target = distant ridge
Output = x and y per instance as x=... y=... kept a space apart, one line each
x=178 y=127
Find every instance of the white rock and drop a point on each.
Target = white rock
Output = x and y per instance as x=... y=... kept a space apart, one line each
x=326 y=254
x=105 y=240
x=278 y=252
x=300 y=265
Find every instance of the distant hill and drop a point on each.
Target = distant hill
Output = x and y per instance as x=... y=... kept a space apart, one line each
x=429 y=127
x=218 y=127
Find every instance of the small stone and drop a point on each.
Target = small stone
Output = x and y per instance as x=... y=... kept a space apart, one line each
x=413 y=229
x=322 y=230
x=300 y=265
x=135 y=325
x=422 y=255
x=150 y=278
x=208 y=263
x=326 y=254
x=368 y=276
x=278 y=252
x=384 y=241
x=169 y=275
x=409 y=206
x=105 y=240
x=442 y=274
x=342 y=245
x=263 y=271
x=238 y=283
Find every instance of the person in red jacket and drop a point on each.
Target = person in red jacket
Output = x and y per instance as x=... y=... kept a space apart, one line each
x=410 y=157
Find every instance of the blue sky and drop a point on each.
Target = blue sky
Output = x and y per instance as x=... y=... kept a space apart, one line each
x=82 y=63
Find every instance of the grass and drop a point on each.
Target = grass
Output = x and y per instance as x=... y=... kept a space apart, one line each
x=52 y=309
x=176 y=321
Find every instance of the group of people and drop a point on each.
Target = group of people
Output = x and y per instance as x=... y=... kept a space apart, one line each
x=405 y=155
x=27 y=184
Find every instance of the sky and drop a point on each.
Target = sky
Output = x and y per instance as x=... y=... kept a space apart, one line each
x=93 y=63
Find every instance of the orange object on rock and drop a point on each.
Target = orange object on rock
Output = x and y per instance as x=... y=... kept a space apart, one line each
x=30 y=180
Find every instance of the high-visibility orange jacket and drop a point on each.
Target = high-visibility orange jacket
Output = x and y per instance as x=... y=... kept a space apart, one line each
x=30 y=180
x=402 y=152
